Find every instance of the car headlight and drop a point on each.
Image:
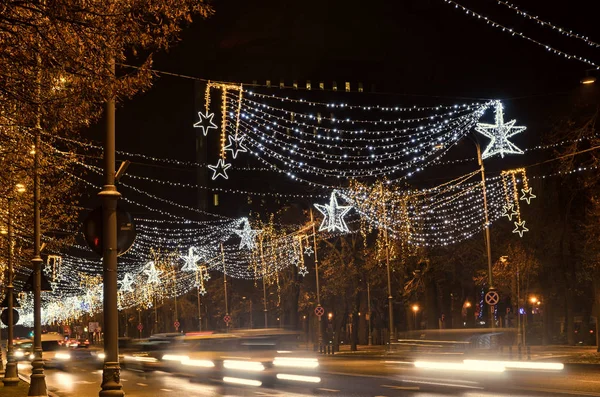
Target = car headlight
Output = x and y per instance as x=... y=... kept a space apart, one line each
x=62 y=356
x=101 y=356
x=19 y=354
x=31 y=356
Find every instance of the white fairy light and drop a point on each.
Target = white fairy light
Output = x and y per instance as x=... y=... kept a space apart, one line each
x=220 y=169
x=126 y=283
x=206 y=122
x=333 y=215
x=308 y=250
x=499 y=132
x=153 y=273
x=248 y=235
x=235 y=145
x=190 y=260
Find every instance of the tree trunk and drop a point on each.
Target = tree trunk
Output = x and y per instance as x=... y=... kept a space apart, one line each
x=431 y=303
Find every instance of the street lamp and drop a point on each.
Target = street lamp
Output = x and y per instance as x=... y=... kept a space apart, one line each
x=415 y=309
x=11 y=374
x=588 y=79
x=534 y=300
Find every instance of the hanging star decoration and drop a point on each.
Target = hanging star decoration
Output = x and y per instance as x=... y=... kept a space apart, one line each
x=152 y=273
x=202 y=291
x=527 y=195
x=520 y=228
x=190 y=260
x=303 y=271
x=247 y=234
x=235 y=146
x=499 y=134
x=308 y=250
x=509 y=211
x=205 y=118
x=220 y=169
x=126 y=283
x=333 y=215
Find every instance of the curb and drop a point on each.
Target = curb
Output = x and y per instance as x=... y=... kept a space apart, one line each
x=27 y=379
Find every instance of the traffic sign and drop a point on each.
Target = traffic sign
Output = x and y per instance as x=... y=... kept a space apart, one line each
x=4 y=316
x=319 y=311
x=140 y=327
x=227 y=319
x=176 y=324
x=93 y=231
x=492 y=298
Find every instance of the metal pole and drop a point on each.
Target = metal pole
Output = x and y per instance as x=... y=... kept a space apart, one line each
x=369 y=312
x=519 y=331
x=175 y=295
x=111 y=373
x=37 y=387
x=199 y=310
x=264 y=281
x=140 y=321
x=389 y=278
x=320 y=324
x=486 y=229
x=11 y=375
x=225 y=285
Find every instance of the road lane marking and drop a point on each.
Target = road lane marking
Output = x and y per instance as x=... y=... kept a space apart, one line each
x=166 y=390
x=329 y=390
x=141 y=384
x=401 y=387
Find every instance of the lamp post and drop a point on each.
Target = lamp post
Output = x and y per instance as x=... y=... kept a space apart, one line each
x=264 y=280
x=415 y=309
x=319 y=324
x=111 y=372
x=486 y=228
x=370 y=339
x=37 y=387
x=389 y=279
x=11 y=374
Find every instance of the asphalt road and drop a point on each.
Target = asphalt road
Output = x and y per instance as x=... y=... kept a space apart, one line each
x=341 y=376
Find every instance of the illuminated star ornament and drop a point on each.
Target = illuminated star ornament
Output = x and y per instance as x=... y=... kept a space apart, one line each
x=308 y=250
x=126 y=283
x=509 y=211
x=152 y=273
x=520 y=228
x=235 y=146
x=190 y=260
x=527 y=195
x=206 y=122
x=499 y=134
x=303 y=271
x=220 y=169
x=247 y=234
x=333 y=215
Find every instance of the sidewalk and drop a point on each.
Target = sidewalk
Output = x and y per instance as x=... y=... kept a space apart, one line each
x=20 y=390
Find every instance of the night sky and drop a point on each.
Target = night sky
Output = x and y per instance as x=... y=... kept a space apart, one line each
x=411 y=51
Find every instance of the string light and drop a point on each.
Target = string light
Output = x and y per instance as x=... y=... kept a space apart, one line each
x=563 y=31
x=521 y=35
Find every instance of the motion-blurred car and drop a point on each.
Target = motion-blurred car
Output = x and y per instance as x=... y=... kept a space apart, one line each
x=23 y=349
x=249 y=357
x=147 y=354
